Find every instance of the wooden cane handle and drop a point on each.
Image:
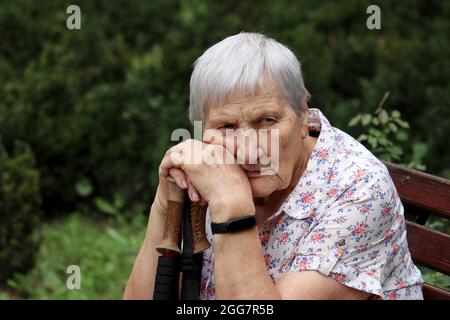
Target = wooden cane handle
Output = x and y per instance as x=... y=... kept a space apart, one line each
x=198 y=216
x=173 y=220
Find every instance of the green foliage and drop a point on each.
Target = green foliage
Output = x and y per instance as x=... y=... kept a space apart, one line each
x=439 y=224
x=84 y=187
x=104 y=251
x=435 y=278
x=20 y=210
x=112 y=208
x=386 y=134
x=93 y=104
x=99 y=103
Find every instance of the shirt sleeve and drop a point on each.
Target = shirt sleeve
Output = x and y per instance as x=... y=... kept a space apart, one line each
x=358 y=239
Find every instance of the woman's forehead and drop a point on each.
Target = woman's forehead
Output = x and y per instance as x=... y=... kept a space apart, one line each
x=266 y=101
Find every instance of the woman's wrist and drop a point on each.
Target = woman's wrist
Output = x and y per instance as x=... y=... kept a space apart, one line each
x=156 y=224
x=225 y=209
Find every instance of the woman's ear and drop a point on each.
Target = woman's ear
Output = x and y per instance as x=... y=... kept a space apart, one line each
x=304 y=119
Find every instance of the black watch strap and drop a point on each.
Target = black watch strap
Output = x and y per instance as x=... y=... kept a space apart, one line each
x=234 y=225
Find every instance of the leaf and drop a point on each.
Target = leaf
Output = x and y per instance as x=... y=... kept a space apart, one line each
x=402 y=135
x=402 y=123
x=384 y=142
x=362 y=137
x=419 y=151
x=375 y=132
x=383 y=116
x=421 y=167
x=375 y=121
x=395 y=152
x=115 y=235
x=373 y=142
x=395 y=114
x=366 y=119
x=393 y=127
x=119 y=201
x=105 y=207
x=84 y=187
x=436 y=224
x=354 y=121
x=386 y=157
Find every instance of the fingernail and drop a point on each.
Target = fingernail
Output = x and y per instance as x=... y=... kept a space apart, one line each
x=191 y=194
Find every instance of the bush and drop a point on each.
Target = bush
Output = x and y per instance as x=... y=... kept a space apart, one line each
x=98 y=104
x=20 y=210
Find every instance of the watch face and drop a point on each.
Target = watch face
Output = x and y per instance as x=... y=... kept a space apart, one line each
x=241 y=223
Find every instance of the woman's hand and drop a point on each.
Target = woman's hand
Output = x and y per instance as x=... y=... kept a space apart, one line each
x=202 y=169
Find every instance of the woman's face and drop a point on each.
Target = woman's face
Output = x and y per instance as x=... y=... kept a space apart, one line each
x=258 y=119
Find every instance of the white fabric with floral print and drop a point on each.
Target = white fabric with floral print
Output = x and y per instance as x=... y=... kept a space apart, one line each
x=344 y=219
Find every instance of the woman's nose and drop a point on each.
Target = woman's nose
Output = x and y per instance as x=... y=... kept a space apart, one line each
x=247 y=146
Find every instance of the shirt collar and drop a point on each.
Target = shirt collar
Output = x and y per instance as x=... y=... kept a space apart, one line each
x=302 y=201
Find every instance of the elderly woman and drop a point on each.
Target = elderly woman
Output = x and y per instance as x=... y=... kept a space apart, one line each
x=329 y=222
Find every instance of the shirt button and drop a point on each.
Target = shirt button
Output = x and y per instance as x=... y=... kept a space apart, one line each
x=341 y=242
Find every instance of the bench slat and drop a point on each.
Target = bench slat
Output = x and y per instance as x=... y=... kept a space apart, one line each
x=421 y=190
x=428 y=247
x=434 y=293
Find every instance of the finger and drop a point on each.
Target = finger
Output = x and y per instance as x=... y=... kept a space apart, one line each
x=172 y=159
x=179 y=177
x=178 y=155
x=193 y=193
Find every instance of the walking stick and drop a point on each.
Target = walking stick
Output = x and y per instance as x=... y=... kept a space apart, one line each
x=186 y=220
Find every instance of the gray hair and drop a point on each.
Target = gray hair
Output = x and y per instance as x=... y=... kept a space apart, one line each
x=244 y=61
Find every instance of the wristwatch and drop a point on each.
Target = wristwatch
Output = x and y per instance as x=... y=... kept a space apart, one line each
x=234 y=225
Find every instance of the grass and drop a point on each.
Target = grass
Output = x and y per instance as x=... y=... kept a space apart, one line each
x=104 y=250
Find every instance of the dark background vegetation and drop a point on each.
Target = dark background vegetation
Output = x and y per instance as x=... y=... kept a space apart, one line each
x=86 y=115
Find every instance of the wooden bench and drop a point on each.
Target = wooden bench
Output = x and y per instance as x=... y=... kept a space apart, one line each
x=424 y=195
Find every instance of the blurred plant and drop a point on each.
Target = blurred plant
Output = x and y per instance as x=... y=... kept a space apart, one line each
x=103 y=249
x=439 y=224
x=435 y=278
x=115 y=208
x=84 y=187
x=20 y=211
x=386 y=133
x=112 y=208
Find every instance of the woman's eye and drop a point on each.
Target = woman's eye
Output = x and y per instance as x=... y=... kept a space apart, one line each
x=267 y=121
x=227 y=126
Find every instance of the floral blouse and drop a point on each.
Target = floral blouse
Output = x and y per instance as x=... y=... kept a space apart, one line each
x=344 y=219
